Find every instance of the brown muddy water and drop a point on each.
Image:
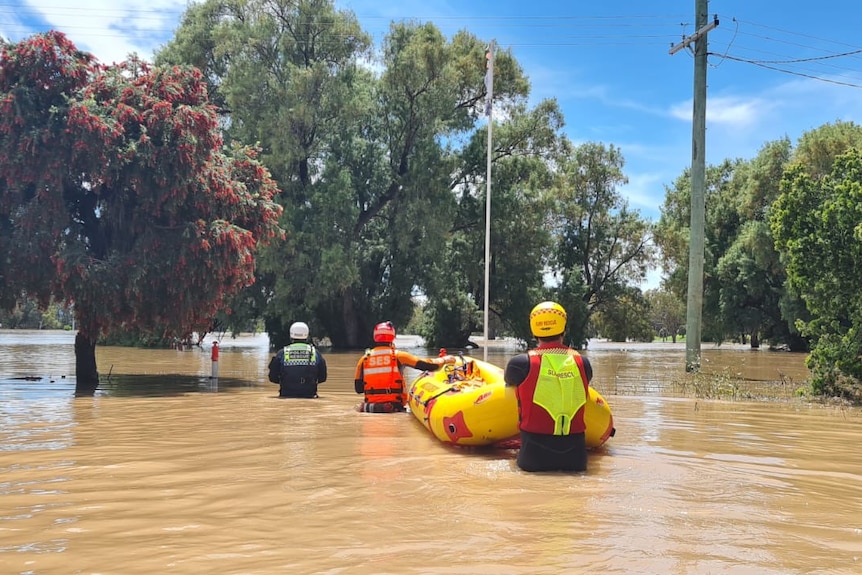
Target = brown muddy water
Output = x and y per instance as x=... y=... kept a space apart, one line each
x=165 y=470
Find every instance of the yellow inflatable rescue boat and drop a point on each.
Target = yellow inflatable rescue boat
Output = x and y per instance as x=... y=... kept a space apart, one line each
x=468 y=403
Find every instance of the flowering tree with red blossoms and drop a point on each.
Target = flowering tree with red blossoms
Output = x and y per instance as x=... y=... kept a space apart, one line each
x=118 y=195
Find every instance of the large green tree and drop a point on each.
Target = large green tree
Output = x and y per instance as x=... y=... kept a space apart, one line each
x=720 y=227
x=817 y=225
x=364 y=146
x=749 y=277
x=745 y=287
x=288 y=76
x=520 y=240
x=119 y=195
x=817 y=149
x=602 y=246
x=625 y=318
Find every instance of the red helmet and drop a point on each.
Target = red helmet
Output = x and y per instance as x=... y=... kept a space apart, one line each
x=384 y=332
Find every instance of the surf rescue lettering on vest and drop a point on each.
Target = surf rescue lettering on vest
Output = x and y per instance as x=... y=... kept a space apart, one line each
x=560 y=374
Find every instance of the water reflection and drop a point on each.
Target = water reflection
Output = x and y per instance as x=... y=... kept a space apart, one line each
x=164 y=385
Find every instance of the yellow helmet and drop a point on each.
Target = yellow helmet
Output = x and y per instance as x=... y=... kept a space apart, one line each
x=548 y=319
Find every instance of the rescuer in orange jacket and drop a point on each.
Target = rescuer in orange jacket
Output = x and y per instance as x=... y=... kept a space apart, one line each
x=552 y=383
x=380 y=372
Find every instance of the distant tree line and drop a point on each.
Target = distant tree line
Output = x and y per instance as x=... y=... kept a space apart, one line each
x=28 y=314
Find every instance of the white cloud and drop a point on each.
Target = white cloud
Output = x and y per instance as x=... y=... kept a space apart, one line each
x=643 y=190
x=807 y=104
x=733 y=111
x=110 y=29
x=10 y=24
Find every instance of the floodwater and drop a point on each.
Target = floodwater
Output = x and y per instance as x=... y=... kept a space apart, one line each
x=165 y=470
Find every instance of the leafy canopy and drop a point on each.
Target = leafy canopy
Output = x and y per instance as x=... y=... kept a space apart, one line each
x=118 y=194
x=816 y=226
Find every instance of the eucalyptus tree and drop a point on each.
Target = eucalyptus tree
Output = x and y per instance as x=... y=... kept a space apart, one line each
x=721 y=226
x=363 y=146
x=524 y=148
x=745 y=287
x=818 y=148
x=625 y=318
x=750 y=277
x=601 y=245
x=287 y=76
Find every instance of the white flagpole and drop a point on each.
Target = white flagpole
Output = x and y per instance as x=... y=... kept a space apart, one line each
x=488 y=108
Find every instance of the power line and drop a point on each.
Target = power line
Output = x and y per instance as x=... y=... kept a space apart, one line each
x=552 y=31
x=824 y=62
x=794 y=73
x=821 y=65
x=803 y=60
x=792 y=43
x=792 y=33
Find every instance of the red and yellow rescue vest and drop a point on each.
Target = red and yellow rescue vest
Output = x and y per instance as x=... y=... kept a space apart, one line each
x=552 y=398
x=382 y=376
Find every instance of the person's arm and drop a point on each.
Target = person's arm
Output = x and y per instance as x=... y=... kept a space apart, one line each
x=321 y=368
x=411 y=360
x=588 y=368
x=358 y=383
x=517 y=370
x=275 y=369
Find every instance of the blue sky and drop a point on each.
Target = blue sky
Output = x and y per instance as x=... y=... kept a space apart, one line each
x=776 y=69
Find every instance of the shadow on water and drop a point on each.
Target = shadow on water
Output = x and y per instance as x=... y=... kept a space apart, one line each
x=125 y=385
x=165 y=385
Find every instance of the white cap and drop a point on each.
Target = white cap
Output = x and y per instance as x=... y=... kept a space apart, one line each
x=299 y=330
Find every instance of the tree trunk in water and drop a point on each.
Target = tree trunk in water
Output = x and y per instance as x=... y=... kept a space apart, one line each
x=577 y=333
x=86 y=375
x=755 y=340
x=348 y=315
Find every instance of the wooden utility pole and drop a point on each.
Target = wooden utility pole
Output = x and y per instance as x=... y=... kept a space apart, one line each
x=698 y=183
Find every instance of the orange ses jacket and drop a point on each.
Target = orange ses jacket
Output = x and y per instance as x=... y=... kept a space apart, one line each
x=379 y=371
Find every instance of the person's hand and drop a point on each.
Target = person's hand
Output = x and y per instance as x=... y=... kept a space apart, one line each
x=448 y=359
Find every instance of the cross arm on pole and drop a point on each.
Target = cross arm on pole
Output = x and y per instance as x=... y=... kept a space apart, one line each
x=688 y=40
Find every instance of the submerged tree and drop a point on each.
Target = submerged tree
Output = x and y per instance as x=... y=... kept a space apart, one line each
x=119 y=195
x=625 y=318
x=749 y=279
x=721 y=227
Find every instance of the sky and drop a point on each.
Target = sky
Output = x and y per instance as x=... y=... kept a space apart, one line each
x=775 y=69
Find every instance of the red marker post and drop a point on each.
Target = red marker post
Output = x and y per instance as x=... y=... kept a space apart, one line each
x=214 y=358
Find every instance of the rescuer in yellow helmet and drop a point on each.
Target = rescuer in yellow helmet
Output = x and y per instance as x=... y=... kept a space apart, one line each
x=552 y=384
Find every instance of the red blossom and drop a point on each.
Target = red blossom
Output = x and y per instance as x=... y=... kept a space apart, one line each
x=138 y=151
